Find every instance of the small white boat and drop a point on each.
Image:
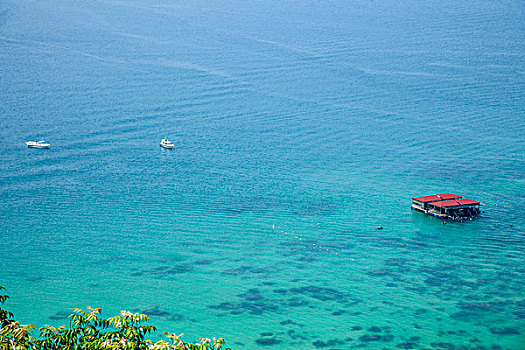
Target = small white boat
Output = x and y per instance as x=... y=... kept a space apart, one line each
x=166 y=144
x=38 y=144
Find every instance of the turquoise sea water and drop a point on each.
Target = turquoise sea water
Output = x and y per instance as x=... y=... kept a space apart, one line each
x=300 y=127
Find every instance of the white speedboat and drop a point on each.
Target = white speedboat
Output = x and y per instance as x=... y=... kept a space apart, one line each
x=38 y=144
x=166 y=144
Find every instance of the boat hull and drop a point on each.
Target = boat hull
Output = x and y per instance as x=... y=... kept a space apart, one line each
x=43 y=146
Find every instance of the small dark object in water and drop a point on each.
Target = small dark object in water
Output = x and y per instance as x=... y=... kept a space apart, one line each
x=444 y=222
x=380 y=227
x=510 y=225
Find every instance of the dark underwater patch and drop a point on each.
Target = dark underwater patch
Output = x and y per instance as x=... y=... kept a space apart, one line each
x=293 y=334
x=164 y=271
x=420 y=312
x=395 y=262
x=505 y=331
x=280 y=291
x=296 y=302
x=483 y=306
x=436 y=281
x=329 y=343
x=251 y=295
x=268 y=341
x=379 y=272
x=473 y=310
x=253 y=302
x=417 y=289
x=109 y=260
x=387 y=338
x=320 y=293
x=444 y=277
x=519 y=313
x=259 y=308
x=443 y=346
x=254 y=308
x=204 y=262
x=290 y=322
x=239 y=271
x=177 y=317
x=243 y=270
x=61 y=315
x=339 y=312
x=367 y=338
x=154 y=311
x=266 y=334
x=269 y=283
x=34 y=279
x=258 y=270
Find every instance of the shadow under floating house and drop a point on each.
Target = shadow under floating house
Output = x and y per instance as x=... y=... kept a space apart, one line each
x=447 y=206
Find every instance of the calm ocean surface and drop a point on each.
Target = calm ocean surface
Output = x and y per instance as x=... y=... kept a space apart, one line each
x=300 y=127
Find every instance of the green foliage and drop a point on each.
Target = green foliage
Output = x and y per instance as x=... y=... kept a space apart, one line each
x=13 y=335
x=89 y=331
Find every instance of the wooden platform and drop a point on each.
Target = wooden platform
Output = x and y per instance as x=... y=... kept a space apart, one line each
x=447 y=206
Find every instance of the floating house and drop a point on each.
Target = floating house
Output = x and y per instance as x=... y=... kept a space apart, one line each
x=447 y=206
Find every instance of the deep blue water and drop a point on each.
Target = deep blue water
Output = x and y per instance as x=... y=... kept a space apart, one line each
x=300 y=127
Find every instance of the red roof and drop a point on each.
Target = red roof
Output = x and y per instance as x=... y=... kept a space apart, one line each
x=436 y=197
x=466 y=201
x=454 y=203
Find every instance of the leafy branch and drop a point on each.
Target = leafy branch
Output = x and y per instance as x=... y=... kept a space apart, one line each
x=88 y=331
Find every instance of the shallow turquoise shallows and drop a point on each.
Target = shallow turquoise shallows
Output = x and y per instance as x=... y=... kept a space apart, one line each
x=300 y=127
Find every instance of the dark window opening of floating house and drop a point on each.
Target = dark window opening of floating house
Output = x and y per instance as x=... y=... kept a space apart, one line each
x=447 y=206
